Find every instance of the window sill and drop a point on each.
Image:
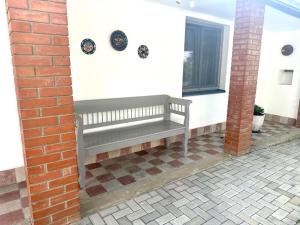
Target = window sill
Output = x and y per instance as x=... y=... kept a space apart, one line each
x=208 y=92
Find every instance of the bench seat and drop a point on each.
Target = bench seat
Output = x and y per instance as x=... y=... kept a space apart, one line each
x=103 y=141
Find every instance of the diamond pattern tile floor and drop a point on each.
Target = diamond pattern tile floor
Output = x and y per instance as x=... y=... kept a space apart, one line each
x=271 y=128
x=14 y=204
x=126 y=170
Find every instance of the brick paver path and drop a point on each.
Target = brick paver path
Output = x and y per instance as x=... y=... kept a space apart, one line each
x=259 y=188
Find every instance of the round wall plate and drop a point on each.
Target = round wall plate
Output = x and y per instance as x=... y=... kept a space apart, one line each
x=287 y=50
x=88 y=46
x=143 y=51
x=118 y=40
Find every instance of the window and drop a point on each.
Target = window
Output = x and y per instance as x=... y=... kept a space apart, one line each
x=202 y=58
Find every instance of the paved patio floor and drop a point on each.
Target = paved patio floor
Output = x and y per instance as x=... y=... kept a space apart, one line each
x=119 y=172
x=262 y=187
x=204 y=151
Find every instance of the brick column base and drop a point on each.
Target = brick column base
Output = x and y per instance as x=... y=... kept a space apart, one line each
x=245 y=61
x=40 y=54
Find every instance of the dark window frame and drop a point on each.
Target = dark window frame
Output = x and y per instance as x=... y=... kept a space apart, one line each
x=192 y=23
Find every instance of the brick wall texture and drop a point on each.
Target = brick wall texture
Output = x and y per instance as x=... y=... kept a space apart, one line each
x=245 y=62
x=40 y=54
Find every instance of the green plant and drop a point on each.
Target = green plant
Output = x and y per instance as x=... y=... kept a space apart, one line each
x=298 y=222
x=259 y=111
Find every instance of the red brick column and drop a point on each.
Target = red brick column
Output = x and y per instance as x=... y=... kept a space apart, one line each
x=248 y=29
x=40 y=55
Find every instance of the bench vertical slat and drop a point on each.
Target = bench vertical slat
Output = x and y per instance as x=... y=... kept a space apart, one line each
x=90 y=118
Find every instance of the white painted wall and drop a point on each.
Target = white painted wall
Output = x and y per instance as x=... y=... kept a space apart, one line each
x=282 y=100
x=11 y=155
x=109 y=74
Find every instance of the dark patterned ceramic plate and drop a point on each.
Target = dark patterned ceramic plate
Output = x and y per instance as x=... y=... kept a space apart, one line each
x=118 y=40
x=88 y=46
x=143 y=51
x=287 y=50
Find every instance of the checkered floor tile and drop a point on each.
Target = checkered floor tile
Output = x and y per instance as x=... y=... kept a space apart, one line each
x=114 y=173
x=270 y=129
x=14 y=204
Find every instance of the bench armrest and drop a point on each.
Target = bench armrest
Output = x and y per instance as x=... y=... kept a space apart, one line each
x=180 y=101
x=179 y=106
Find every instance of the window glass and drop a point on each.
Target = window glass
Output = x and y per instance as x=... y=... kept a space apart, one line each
x=202 y=54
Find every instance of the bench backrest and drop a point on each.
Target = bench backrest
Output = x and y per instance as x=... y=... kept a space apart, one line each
x=107 y=112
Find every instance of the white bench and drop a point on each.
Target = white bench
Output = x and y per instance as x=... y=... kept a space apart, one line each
x=104 y=113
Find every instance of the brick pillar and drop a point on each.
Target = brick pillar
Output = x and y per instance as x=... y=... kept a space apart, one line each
x=248 y=29
x=40 y=55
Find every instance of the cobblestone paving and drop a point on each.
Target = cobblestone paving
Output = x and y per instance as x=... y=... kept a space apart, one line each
x=259 y=188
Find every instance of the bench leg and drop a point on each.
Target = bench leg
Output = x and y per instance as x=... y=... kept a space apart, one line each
x=185 y=144
x=81 y=167
x=168 y=142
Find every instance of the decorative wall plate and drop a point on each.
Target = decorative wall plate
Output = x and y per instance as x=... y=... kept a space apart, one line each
x=118 y=40
x=287 y=50
x=143 y=51
x=88 y=46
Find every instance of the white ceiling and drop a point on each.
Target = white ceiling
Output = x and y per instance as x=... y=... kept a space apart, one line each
x=275 y=20
x=219 y=8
